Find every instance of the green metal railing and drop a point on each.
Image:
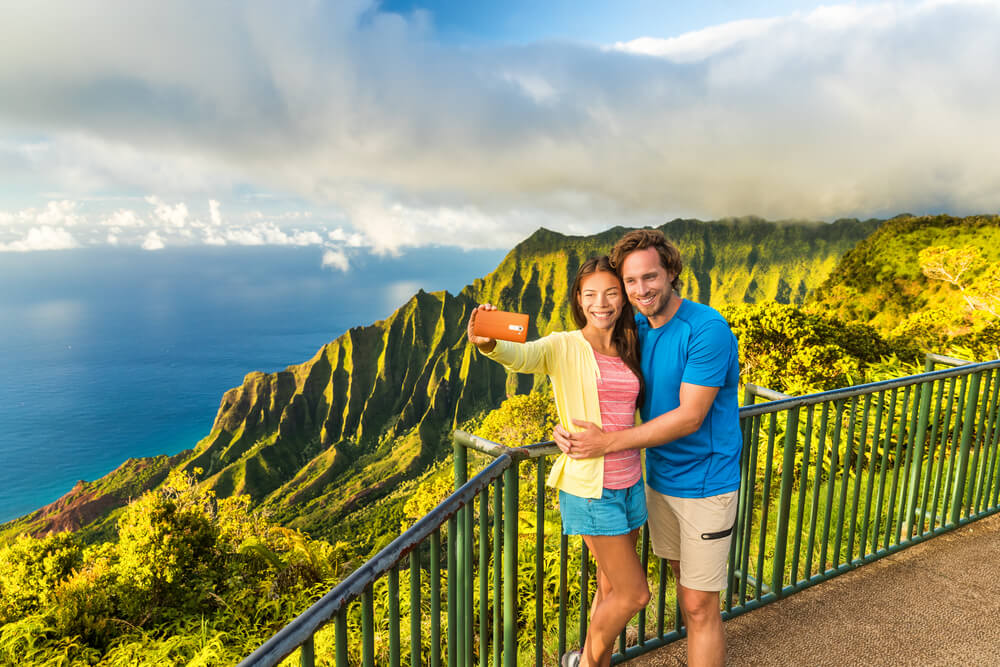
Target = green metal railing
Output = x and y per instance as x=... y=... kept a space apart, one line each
x=829 y=482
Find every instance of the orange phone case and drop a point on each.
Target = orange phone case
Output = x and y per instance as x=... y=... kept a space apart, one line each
x=501 y=324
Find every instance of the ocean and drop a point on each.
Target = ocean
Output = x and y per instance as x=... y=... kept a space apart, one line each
x=111 y=353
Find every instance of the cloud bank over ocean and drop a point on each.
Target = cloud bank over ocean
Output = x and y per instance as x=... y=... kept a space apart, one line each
x=341 y=126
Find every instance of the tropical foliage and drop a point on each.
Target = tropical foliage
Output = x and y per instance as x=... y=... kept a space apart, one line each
x=191 y=579
x=794 y=351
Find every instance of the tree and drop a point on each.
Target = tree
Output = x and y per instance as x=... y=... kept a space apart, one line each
x=522 y=419
x=30 y=568
x=789 y=349
x=977 y=279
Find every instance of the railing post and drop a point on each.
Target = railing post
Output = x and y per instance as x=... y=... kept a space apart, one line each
x=968 y=421
x=308 y=654
x=452 y=597
x=435 y=576
x=926 y=389
x=785 y=501
x=457 y=582
x=392 y=608
x=498 y=534
x=539 y=561
x=484 y=567
x=468 y=584
x=340 y=637
x=510 y=525
x=367 y=628
x=415 y=626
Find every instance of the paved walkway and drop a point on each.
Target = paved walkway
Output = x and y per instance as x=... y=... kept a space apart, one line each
x=937 y=603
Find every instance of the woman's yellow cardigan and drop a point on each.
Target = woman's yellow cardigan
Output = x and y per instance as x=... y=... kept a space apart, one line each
x=568 y=360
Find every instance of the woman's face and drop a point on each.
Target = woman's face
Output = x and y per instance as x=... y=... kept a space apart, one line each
x=601 y=299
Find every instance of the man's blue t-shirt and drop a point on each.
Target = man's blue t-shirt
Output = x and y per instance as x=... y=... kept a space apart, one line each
x=698 y=347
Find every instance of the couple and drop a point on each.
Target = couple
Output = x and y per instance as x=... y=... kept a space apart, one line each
x=677 y=361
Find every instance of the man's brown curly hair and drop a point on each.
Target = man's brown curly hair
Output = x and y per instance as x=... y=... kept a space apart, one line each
x=640 y=239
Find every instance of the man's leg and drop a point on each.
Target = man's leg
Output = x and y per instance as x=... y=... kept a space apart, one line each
x=706 y=638
x=700 y=573
x=702 y=617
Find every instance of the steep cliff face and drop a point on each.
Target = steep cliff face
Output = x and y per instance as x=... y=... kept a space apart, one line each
x=374 y=407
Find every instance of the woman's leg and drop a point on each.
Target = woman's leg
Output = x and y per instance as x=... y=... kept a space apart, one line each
x=603 y=591
x=625 y=593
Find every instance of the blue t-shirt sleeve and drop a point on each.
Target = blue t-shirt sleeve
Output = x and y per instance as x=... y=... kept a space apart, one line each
x=709 y=354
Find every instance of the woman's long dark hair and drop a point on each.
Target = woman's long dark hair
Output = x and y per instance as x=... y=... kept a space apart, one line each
x=624 y=336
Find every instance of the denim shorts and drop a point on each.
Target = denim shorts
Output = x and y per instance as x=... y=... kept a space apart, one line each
x=616 y=512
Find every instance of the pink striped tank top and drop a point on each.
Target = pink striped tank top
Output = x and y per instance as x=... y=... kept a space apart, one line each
x=617 y=390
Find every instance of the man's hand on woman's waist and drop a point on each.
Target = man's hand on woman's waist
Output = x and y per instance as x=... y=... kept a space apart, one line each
x=592 y=441
x=683 y=420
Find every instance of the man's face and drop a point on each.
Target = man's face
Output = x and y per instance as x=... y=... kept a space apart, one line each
x=647 y=282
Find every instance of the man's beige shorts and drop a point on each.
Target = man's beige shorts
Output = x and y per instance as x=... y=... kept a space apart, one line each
x=695 y=531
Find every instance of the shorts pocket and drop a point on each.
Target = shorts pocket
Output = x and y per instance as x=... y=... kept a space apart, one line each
x=718 y=535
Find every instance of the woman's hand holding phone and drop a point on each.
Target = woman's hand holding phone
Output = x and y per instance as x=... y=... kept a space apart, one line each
x=484 y=344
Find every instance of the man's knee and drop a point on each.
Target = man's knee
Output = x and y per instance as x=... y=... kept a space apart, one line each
x=700 y=607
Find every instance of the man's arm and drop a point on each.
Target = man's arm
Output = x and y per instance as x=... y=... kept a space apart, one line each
x=683 y=420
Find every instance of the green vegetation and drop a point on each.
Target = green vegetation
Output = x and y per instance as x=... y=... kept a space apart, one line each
x=794 y=351
x=191 y=579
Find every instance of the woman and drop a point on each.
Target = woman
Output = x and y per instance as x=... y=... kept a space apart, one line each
x=595 y=377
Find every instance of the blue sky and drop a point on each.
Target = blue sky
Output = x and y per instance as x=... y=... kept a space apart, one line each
x=588 y=21
x=361 y=127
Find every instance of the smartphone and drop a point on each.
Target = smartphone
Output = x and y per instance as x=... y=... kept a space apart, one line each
x=501 y=324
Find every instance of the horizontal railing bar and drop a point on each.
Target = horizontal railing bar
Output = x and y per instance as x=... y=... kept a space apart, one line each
x=777 y=403
x=286 y=640
x=650 y=644
x=482 y=445
x=942 y=359
x=769 y=394
x=540 y=449
x=862 y=389
x=750 y=605
x=752 y=581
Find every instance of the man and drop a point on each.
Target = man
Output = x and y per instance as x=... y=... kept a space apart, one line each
x=690 y=365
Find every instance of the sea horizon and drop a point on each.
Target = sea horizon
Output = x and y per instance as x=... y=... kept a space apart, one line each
x=117 y=353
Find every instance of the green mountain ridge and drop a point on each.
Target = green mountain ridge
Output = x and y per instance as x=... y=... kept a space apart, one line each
x=323 y=442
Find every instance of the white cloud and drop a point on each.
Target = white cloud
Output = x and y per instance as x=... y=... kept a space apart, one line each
x=175 y=216
x=58 y=213
x=42 y=238
x=268 y=233
x=213 y=212
x=336 y=259
x=123 y=219
x=850 y=109
x=698 y=45
x=153 y=241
